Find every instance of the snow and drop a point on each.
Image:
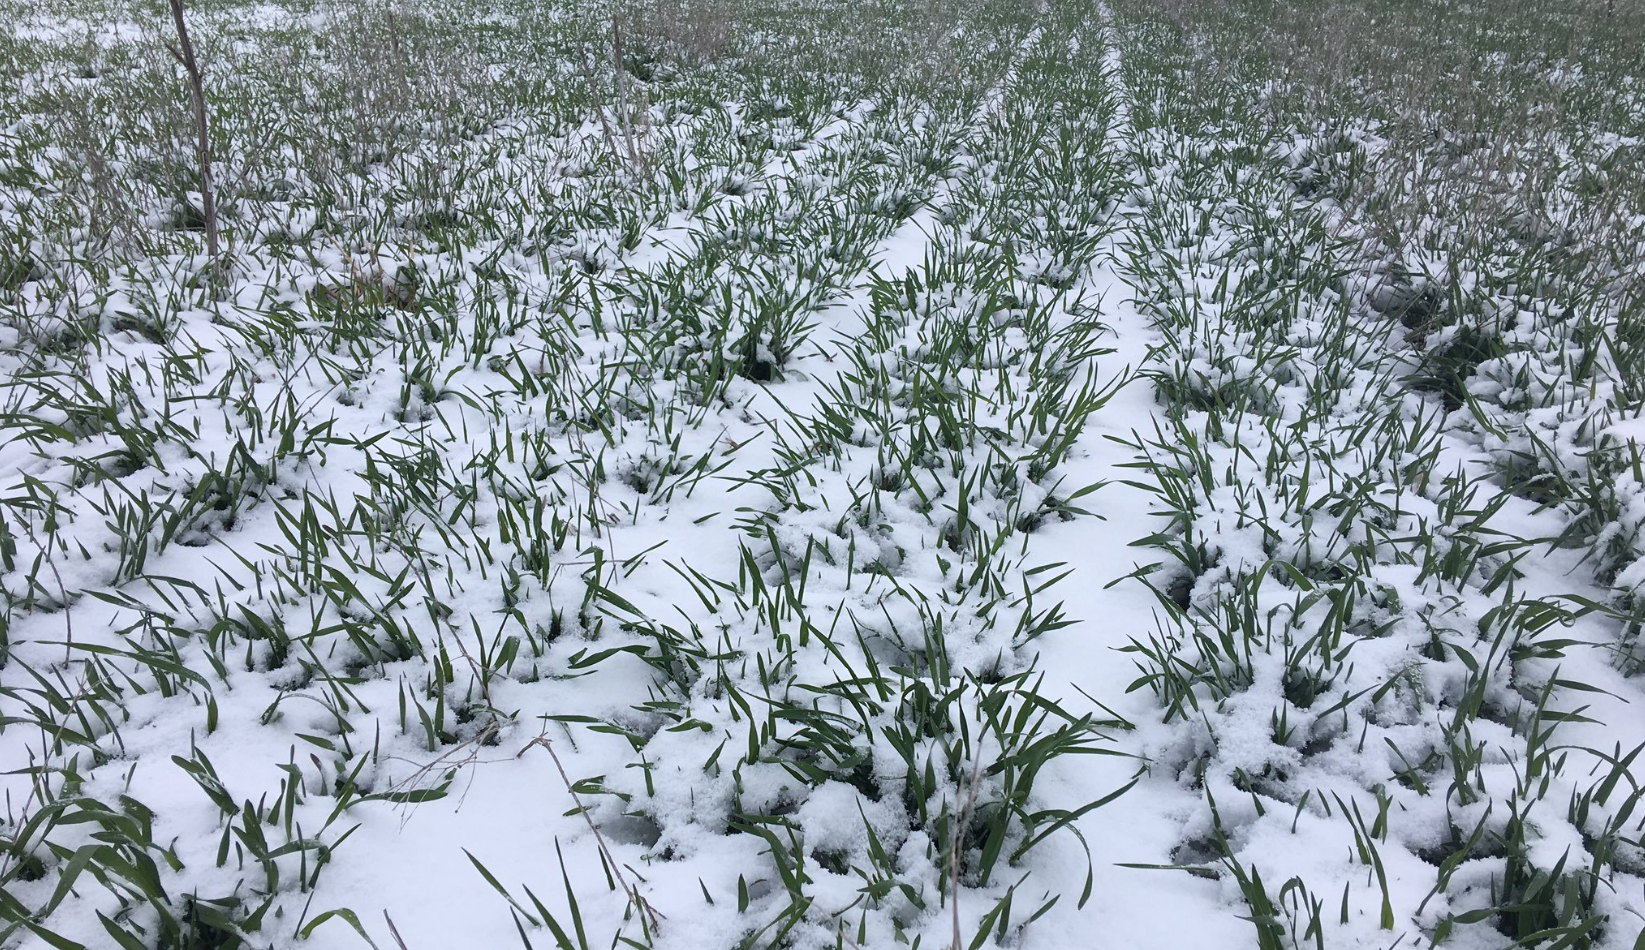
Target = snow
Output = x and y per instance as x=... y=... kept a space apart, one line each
x=688 y=559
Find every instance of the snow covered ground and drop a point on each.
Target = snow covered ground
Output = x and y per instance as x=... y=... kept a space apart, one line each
x=760 y=473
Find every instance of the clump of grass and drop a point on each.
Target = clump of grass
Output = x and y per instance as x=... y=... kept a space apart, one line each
x=1446 y=369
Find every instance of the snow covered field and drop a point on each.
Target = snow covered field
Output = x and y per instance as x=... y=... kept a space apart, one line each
x=805 y=473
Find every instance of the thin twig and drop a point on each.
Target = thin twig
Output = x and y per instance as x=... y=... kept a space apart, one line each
x=183 y=52
x=634 y=896
x=459 y=756
x=622 y=92
x=599 y=104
